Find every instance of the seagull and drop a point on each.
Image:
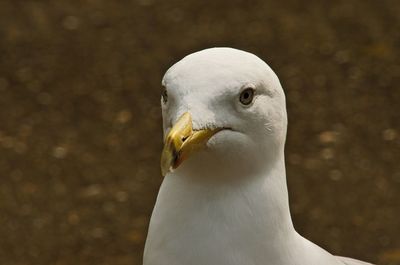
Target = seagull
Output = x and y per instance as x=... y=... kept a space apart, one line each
x=224 y=198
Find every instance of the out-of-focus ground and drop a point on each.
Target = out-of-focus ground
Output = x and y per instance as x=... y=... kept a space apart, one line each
x=80 y=132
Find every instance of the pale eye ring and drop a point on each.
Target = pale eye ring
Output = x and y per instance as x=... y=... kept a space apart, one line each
x=164 y=95
x=246 y=96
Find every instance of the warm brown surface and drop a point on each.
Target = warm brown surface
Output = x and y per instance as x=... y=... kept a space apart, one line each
x=80 y=131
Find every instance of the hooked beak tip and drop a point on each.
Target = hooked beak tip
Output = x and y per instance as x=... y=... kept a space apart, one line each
x=181 y=142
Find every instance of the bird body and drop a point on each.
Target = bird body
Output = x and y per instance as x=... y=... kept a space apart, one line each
x=228 y=203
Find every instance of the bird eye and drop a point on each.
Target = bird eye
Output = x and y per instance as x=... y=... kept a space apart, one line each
x=247 y=95
x=164 y=95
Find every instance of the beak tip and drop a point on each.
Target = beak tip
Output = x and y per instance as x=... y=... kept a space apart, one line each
x=165 y=170
x=181 y=141
x=167 y=160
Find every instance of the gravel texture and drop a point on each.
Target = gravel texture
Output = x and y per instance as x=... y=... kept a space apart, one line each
x=80 y=124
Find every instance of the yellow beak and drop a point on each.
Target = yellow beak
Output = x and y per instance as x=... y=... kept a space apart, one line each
x=181 y=142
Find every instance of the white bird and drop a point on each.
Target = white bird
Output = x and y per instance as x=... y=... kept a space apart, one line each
x=224 y=199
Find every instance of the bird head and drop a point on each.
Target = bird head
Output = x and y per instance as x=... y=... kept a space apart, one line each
x=223 y=109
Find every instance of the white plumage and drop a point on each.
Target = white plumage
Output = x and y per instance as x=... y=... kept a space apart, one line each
x=228 y=204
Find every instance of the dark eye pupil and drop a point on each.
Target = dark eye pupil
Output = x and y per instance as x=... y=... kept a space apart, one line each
x=164 y=95
x=246 y=97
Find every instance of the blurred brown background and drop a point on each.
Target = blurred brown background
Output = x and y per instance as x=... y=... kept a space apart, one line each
x=80 y=131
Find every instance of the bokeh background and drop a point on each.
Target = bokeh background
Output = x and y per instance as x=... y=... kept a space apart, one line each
x=80 y=124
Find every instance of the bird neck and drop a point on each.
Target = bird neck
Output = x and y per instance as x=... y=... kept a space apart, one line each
x=250 y=215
